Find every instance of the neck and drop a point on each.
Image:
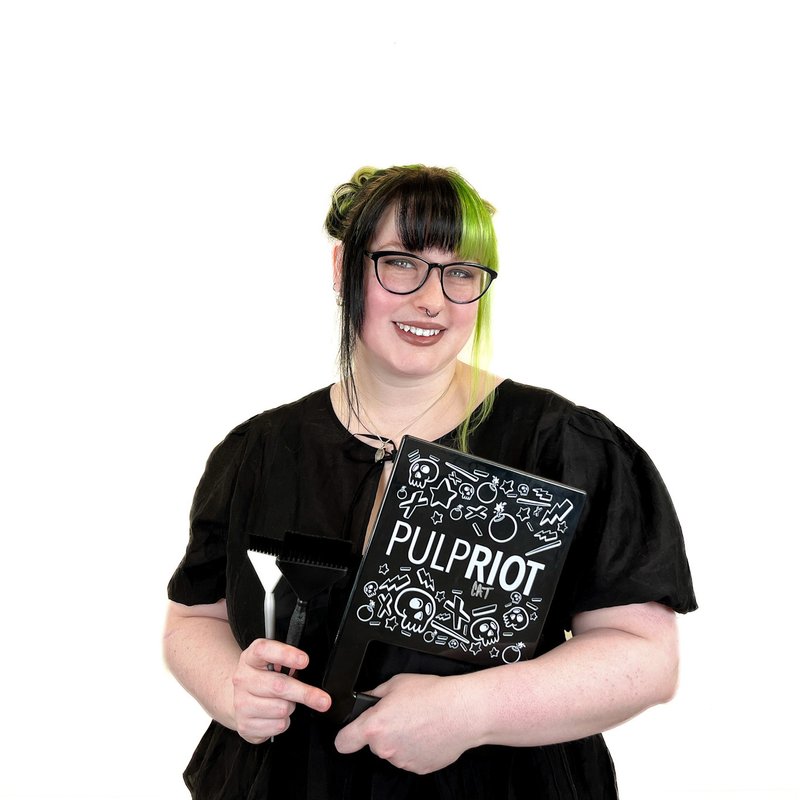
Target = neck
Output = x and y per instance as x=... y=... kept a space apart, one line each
x=392 y=406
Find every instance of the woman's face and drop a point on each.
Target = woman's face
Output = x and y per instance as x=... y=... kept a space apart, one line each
x=398 y=337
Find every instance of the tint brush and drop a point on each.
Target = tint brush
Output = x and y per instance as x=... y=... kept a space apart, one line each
x=311 y=564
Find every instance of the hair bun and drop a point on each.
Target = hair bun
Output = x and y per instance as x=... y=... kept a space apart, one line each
x=342 y=201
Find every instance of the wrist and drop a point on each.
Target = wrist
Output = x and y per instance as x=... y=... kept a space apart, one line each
x=475 y=709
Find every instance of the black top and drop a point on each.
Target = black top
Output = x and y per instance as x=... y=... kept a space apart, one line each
x=297 y=468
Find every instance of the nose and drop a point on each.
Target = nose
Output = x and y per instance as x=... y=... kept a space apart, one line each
x=430 y=295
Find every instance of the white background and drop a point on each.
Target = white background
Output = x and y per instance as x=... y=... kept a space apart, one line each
x=165 y=169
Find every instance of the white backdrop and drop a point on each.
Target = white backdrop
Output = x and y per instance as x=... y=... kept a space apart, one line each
x=164 y=172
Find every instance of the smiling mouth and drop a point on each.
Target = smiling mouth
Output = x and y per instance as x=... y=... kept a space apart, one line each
x=418 y=331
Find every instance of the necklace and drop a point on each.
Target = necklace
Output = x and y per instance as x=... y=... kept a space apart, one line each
x=383 y=452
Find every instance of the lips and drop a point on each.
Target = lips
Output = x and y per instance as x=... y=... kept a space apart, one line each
x=423 y=332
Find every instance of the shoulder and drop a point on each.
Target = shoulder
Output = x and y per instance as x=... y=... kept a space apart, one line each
x=521 y=399
x=314 y=405
x=252 y=435
x=517 y=403
x=514 y=397
x=558 y=430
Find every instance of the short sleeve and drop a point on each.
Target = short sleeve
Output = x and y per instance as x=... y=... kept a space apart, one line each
x=201 y=575
x=630 y=546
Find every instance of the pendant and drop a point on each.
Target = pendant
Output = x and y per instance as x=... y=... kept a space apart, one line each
x=380 y=453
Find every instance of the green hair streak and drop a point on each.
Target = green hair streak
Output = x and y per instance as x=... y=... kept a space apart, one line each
x=478 y=243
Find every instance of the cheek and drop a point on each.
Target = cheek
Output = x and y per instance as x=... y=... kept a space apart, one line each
x=377 y=302
x=465 y=316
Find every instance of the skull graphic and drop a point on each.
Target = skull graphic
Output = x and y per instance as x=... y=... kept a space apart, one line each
x=486 y=631
x=416 y=608
x=466 y=491
x=516 y=618
x=423 y=471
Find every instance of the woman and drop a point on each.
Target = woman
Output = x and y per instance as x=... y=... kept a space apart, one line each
x=531 y=729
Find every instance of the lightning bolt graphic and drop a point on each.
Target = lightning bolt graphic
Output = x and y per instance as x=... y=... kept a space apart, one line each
x=425 y=578
x=397 y=582
x=558 y=513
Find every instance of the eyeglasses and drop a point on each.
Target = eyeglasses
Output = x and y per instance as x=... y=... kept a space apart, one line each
x=403 y=273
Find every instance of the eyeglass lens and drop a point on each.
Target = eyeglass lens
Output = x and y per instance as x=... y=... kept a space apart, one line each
x=404 y=274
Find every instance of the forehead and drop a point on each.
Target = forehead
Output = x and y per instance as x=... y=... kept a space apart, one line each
x=386 y=235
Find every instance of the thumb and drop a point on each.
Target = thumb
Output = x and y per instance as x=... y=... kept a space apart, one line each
x=386 y=687
x=379 y=691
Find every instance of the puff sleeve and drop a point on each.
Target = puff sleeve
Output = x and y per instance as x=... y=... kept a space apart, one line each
x=201 y=574
x=630 y=543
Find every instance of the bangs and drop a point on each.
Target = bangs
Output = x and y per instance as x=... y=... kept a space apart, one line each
x=442 y=211
x=429 y=214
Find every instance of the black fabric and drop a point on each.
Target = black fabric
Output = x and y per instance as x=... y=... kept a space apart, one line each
x=297 y=468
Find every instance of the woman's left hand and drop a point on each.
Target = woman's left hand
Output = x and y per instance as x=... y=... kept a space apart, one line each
x=421 y=723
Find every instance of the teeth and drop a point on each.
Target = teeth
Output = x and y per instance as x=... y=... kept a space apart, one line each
x=417 y=331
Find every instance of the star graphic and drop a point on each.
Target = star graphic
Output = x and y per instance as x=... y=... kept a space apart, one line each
x=383 y=569
x=524 y=513
x=436 y=517
x=507 y=487
x=475 y=648
x=440 y=595
x=443 y=494
x=494 y=652
x=562 y=526
x=391 y=623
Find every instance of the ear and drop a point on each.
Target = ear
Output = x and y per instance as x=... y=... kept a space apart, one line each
x=337 y=268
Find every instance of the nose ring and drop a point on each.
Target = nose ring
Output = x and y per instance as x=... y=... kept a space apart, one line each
x=431 y=316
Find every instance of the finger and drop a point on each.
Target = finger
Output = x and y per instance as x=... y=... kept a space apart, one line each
x=267 y=708
x=265 y=652
x=379 y=691
x=350 y=739
x=277 y=685
x=260 y=718
x=256 y=730
x=252 y=707
x=385 y=688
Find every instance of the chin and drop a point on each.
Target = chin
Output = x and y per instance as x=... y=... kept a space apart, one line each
x=408 y=361
x=422 y=368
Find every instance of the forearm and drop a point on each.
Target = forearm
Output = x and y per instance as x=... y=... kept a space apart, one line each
x=202 y=654
x=620 y=661
x=591 y=683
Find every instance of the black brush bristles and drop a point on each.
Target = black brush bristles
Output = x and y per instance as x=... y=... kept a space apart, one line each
x=305 y=548
x=311 y=564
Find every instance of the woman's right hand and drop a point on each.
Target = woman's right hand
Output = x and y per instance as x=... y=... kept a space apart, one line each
x=264 y=697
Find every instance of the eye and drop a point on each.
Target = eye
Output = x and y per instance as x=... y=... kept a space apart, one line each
x=461 y=272
x=400 y=263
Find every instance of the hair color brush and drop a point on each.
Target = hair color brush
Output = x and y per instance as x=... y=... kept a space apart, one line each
x=311 y=564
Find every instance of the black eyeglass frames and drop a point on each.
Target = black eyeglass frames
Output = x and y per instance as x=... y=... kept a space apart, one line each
x=404 y=273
